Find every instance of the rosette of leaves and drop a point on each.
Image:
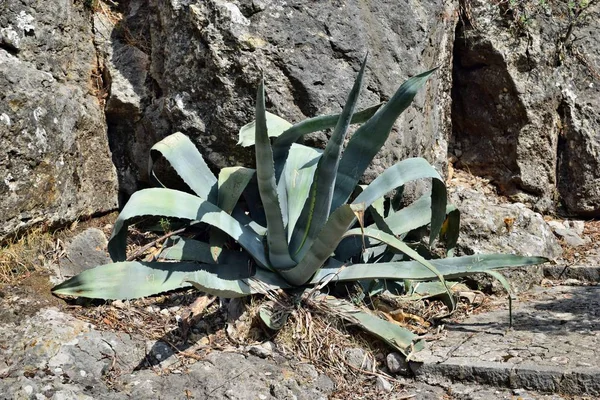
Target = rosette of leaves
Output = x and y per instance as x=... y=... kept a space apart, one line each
x=297 y=221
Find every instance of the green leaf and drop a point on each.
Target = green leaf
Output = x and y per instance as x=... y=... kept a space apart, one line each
x=187 y=161
x=394 y=335
x=174 y=204
x=232 y=284
x=185 y=249
x=451 y=228
x=279 y=255
x=392 y=241
x=127 y=280
x=450 y=268
x=274 y=314
x=297 y=177
x=399 y=174
x=418 y=214
x=323 y=246
x=134 y=279
x=318 y=206
x=282 y=144
x=232 y=182
x=275 y=125
x=370 y=137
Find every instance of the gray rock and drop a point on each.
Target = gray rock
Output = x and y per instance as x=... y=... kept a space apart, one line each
x=525 y=110
x=202 y=61
x=383 y=384
x=86 y=250
x=489 y=225
x=570 y=236
x=56 y=163
x=53 y=355
x=262 y=350
x=358 y=358
x=397 y=364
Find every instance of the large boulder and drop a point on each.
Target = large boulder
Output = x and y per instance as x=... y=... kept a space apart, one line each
x=55 y=165
x=194 y=67
x=492 y=225
x=526 y=100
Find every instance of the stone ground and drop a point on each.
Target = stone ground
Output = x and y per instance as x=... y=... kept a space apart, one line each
x=551 y=351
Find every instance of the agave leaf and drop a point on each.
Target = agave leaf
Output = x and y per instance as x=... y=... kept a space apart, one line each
x=236 y=283
x=450 y=268
x=175 y=204
x=398 y=175
x=392 y=241
x=254 y=203
x=318 y=206
x=275 y=125
x=353 y=246
x=394 y=335
x=451 y=228
x=274 y=315
x=282 y=144
x=418 y=214
x=297 y=177
x=279 y=255
x=187 y=161
x=506 y=286
x=370 y=137
x=231 y=183
x=134 y=279
x=245 y=220
x=185 y=249
x=323 y=246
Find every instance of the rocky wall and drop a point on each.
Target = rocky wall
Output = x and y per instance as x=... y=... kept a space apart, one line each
x=55 y=164
x=193 y=66
x=525 y=101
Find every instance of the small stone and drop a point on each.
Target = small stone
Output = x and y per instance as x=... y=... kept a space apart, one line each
x=118 y=304
x=572 y=282
x=560 y=360
x=174 y=309
x=82 y=373
x=262 y=396
x=262 y=350
x=358 y=358
x=577 y=226
x=382 y=384
x=28 y=389
x=164 y=311
x=397 y=364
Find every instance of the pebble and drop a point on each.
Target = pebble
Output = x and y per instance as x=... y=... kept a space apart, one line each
x=383 y=384
x=164 y=311
x=397 y=364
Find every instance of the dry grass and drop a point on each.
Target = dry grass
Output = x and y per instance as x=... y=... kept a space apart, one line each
x=27 y=254
x=40 y=247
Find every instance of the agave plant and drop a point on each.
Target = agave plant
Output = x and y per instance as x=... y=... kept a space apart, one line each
x=299 y=220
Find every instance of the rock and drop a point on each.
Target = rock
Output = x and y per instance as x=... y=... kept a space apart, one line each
x=56 y=164
x=195 y=67
x=262 y=350
x=53 y=355
x=489 y=225
x=358 y=358
x=526 y=104
x=383 y=384
x=570 y=236
x=577 y=226
x=397 y=364
x=86 y=250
